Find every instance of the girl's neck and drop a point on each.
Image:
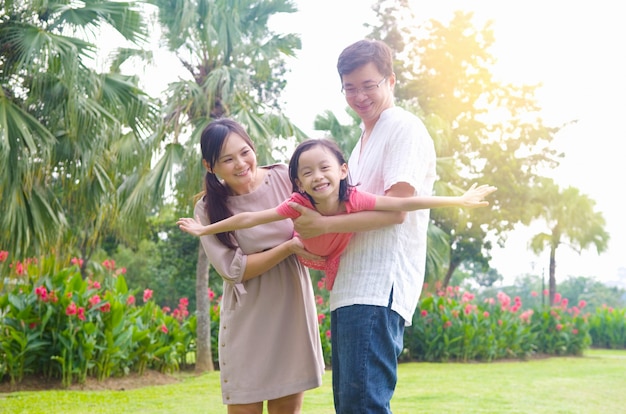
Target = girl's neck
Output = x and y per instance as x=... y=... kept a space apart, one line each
x=330 y=207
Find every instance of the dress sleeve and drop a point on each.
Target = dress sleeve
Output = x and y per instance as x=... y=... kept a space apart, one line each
x=230 y=264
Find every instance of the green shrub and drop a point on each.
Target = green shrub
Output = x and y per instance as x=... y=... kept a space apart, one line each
x=56 y=324
x=608 y=328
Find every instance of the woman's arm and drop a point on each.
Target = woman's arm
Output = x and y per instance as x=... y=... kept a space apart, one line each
x=239 y=221
x=474 y=197
x=259 y=263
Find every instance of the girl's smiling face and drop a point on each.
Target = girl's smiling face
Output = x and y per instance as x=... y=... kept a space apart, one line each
x=320 y=174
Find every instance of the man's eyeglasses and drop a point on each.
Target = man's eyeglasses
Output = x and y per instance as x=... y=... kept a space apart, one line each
x=367 y=89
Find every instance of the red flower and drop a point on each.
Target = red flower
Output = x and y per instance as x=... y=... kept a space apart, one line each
x=77 y=261
x=328 y=334
x=485 y=314
x=166 y=309
x=467 y=297
x=424 y=313
x=320 y=318
x=106 y=307
x=94 y=300
x=211 y=295
x=319 y=299
x=81 y=314
x=164 y=329
x=109 y=264
x=3 y=255
x=526 y=315
x=71 y=309
x=42 y=293
x=130 y=300
x=468 y=309
x=559 y=327
x=582 y=303
x=147 y=294
x=183 y=302
x=447 y=324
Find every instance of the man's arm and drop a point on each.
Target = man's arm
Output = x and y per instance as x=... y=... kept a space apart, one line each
x=312 y=224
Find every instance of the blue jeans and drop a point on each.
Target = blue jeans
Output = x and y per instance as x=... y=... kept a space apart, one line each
x=366 y=343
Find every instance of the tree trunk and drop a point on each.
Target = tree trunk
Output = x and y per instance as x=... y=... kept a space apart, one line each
x=552 y=272
x=204 y=358
x=446 y=280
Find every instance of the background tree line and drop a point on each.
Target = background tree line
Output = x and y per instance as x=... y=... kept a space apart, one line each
x=94 y=167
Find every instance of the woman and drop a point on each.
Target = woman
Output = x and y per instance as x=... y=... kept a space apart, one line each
x=269 y=345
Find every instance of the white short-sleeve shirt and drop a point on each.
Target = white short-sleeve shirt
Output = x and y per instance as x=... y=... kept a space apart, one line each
x=399 y=149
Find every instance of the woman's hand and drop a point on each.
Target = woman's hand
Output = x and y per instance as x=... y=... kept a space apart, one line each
x=297 y=247
x=191 y=226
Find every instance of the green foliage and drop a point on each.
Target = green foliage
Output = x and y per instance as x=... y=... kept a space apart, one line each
x=82 y=131
x=450 y=326
x=608 y=328
x=58 y=325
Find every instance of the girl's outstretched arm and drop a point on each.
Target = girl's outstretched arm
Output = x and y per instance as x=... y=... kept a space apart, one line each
x=474 y=197
x=239 y=221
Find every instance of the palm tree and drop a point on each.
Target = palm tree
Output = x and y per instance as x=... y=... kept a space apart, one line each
x=234 y=65
x=571 y=220
x=69 y=136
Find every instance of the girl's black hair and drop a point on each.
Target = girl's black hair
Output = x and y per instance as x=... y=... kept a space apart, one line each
x=329 y=144
x=212 y=140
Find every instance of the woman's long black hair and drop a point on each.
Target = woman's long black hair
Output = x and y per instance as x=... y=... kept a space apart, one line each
x=212 y=140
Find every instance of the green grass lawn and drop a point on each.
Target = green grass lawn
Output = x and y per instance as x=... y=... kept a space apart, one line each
x=591 y=384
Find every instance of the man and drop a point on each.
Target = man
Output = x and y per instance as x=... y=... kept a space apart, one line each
x=382 y=270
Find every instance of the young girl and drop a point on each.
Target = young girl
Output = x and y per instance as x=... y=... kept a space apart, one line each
x=318 y=173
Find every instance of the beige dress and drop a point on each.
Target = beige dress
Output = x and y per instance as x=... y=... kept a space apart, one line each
x=269 y=344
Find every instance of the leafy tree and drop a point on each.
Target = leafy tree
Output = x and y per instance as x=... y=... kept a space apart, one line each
x=70 y=137
x=570 y=219
x=595 y=293
x=234 y=65
x=484 y=129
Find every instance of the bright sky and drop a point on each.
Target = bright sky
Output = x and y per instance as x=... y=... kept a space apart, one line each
x=574 y=48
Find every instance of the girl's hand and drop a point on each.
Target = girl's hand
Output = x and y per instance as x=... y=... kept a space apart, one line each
x=475 y=195
x=191 y=226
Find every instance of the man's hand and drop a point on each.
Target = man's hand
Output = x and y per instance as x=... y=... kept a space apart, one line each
x=310 y=222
